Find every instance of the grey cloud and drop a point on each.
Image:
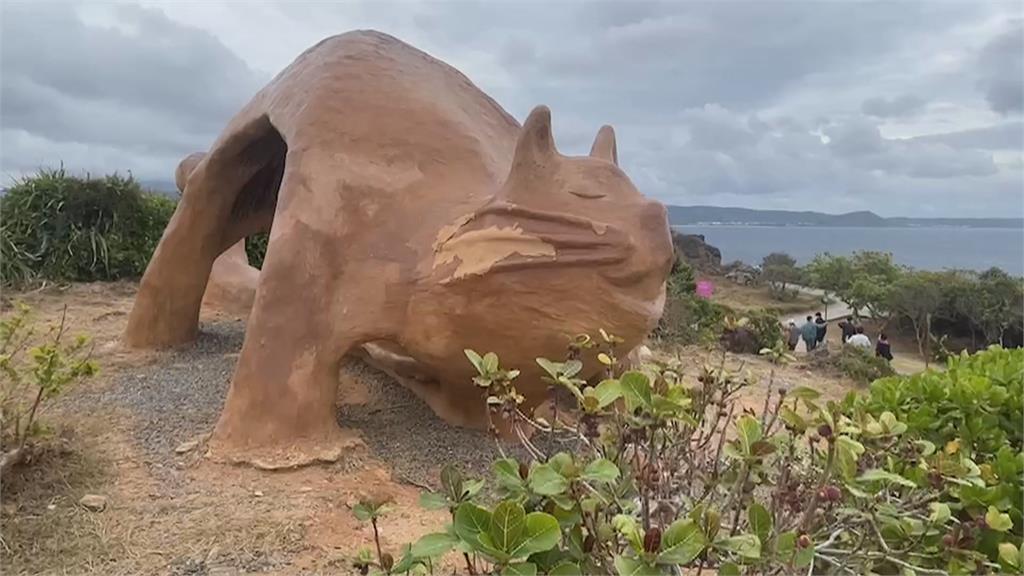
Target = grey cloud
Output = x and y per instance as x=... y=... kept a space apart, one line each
x=1002 y=69
x=149 y=85
x=1004 y=136
x=711 y=102
x=904 y=105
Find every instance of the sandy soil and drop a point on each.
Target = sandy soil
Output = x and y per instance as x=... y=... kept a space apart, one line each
x=171 y=513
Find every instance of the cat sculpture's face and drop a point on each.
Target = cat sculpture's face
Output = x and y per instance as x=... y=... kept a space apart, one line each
x=562 y=224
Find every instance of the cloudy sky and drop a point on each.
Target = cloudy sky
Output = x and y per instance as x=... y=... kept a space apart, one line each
x=898 y=107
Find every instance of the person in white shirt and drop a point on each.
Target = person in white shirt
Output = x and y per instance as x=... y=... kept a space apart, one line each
x=860 y=340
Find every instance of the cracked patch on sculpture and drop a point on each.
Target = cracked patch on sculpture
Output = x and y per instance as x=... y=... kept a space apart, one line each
x=412 y=218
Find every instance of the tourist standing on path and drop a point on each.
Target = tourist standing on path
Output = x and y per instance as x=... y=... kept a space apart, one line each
x=882 y=348
x=793 y=335
x=847 y=328
x=822 y=326
x=860 y=340
x=809 y=333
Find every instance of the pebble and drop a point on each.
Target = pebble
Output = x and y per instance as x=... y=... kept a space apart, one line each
x=186 y=446
x=93 y=502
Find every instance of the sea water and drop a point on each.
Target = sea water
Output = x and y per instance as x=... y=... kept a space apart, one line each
x=925 y=248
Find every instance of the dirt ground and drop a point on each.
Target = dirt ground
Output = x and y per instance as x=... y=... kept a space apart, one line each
x=118 y=435
x=742 y=297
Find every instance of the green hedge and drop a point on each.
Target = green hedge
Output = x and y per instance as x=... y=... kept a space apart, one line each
x=64 y=228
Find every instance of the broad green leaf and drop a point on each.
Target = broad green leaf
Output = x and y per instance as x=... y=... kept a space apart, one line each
x=627 y=526
x=681 y=543
x=472 y=522
x=490 y=362
x=605 y=393
x=940 y=513
x=804 y=556
x=475 y=360
x=803 y=393
x=1009 y=554
x=794 y=420
x=760 y=521
x=848 y=452
x=563 y=464
x=636 y=389
x=520 y=569
x=728 y=569
x=748 y=431
x=571 y=368
x=506 y=471
x=785 y=545
x=362 y=512
x=601 y=470
x=471 y=488
x=407 y=561
x=433 y=545
x=626 y=566
x=541 y=532
x=433 y=501
x=998 y=521
x=451 y=481
x=745 y=545
x=544 y=480
x=552 y=368
x=876 y=475
x=507 y=524
x=566 y=568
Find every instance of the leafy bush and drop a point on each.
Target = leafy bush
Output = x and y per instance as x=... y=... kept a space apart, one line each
x=780 y=269
x=858 y=364
x=662 y=475
x=256 y=248
x=61 y=227
x=688 y=318
x=31 y=374
x=758 y=330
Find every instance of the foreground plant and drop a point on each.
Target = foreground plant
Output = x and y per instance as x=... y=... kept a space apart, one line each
x=668 y=473
x=31 y=374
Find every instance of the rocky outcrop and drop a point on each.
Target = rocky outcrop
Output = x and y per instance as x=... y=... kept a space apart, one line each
x=693 y=250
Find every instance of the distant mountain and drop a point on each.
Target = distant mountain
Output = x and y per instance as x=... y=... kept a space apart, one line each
x=682 y=215
x=165 y=187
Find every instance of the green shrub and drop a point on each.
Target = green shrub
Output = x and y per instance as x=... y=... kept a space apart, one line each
x=688 y=318
x=859 y=365
x=756 y=331
x=664 y=475
x=60 y=227
x=33 y=369
x=256 y=248
x=969 y=415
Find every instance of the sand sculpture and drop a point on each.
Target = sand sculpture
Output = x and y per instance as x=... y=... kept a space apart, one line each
x=410 y=217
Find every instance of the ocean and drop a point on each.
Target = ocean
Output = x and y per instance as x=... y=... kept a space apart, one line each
x=925 y=248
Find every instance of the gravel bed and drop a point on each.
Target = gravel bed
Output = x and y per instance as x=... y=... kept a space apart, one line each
x=180 y=396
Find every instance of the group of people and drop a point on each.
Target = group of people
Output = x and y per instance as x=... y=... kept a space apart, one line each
x=813 y=331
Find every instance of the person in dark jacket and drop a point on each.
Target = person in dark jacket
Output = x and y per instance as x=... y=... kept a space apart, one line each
x=847 y=328
x=882 y=347
x=809 y=334
x=821 y=325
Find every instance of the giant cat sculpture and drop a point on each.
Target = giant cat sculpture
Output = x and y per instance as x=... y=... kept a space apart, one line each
x=410 y=218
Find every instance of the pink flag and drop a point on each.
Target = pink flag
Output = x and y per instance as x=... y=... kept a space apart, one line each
x=705 y=289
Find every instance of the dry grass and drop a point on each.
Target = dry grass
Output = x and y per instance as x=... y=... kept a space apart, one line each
x=742 y=297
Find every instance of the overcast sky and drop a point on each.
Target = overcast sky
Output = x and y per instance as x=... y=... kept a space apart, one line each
x=897 y=107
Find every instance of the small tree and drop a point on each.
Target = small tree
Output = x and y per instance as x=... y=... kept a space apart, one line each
x=779 y=269
x=860 y=281
x=30 y=375
x=916 y=296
